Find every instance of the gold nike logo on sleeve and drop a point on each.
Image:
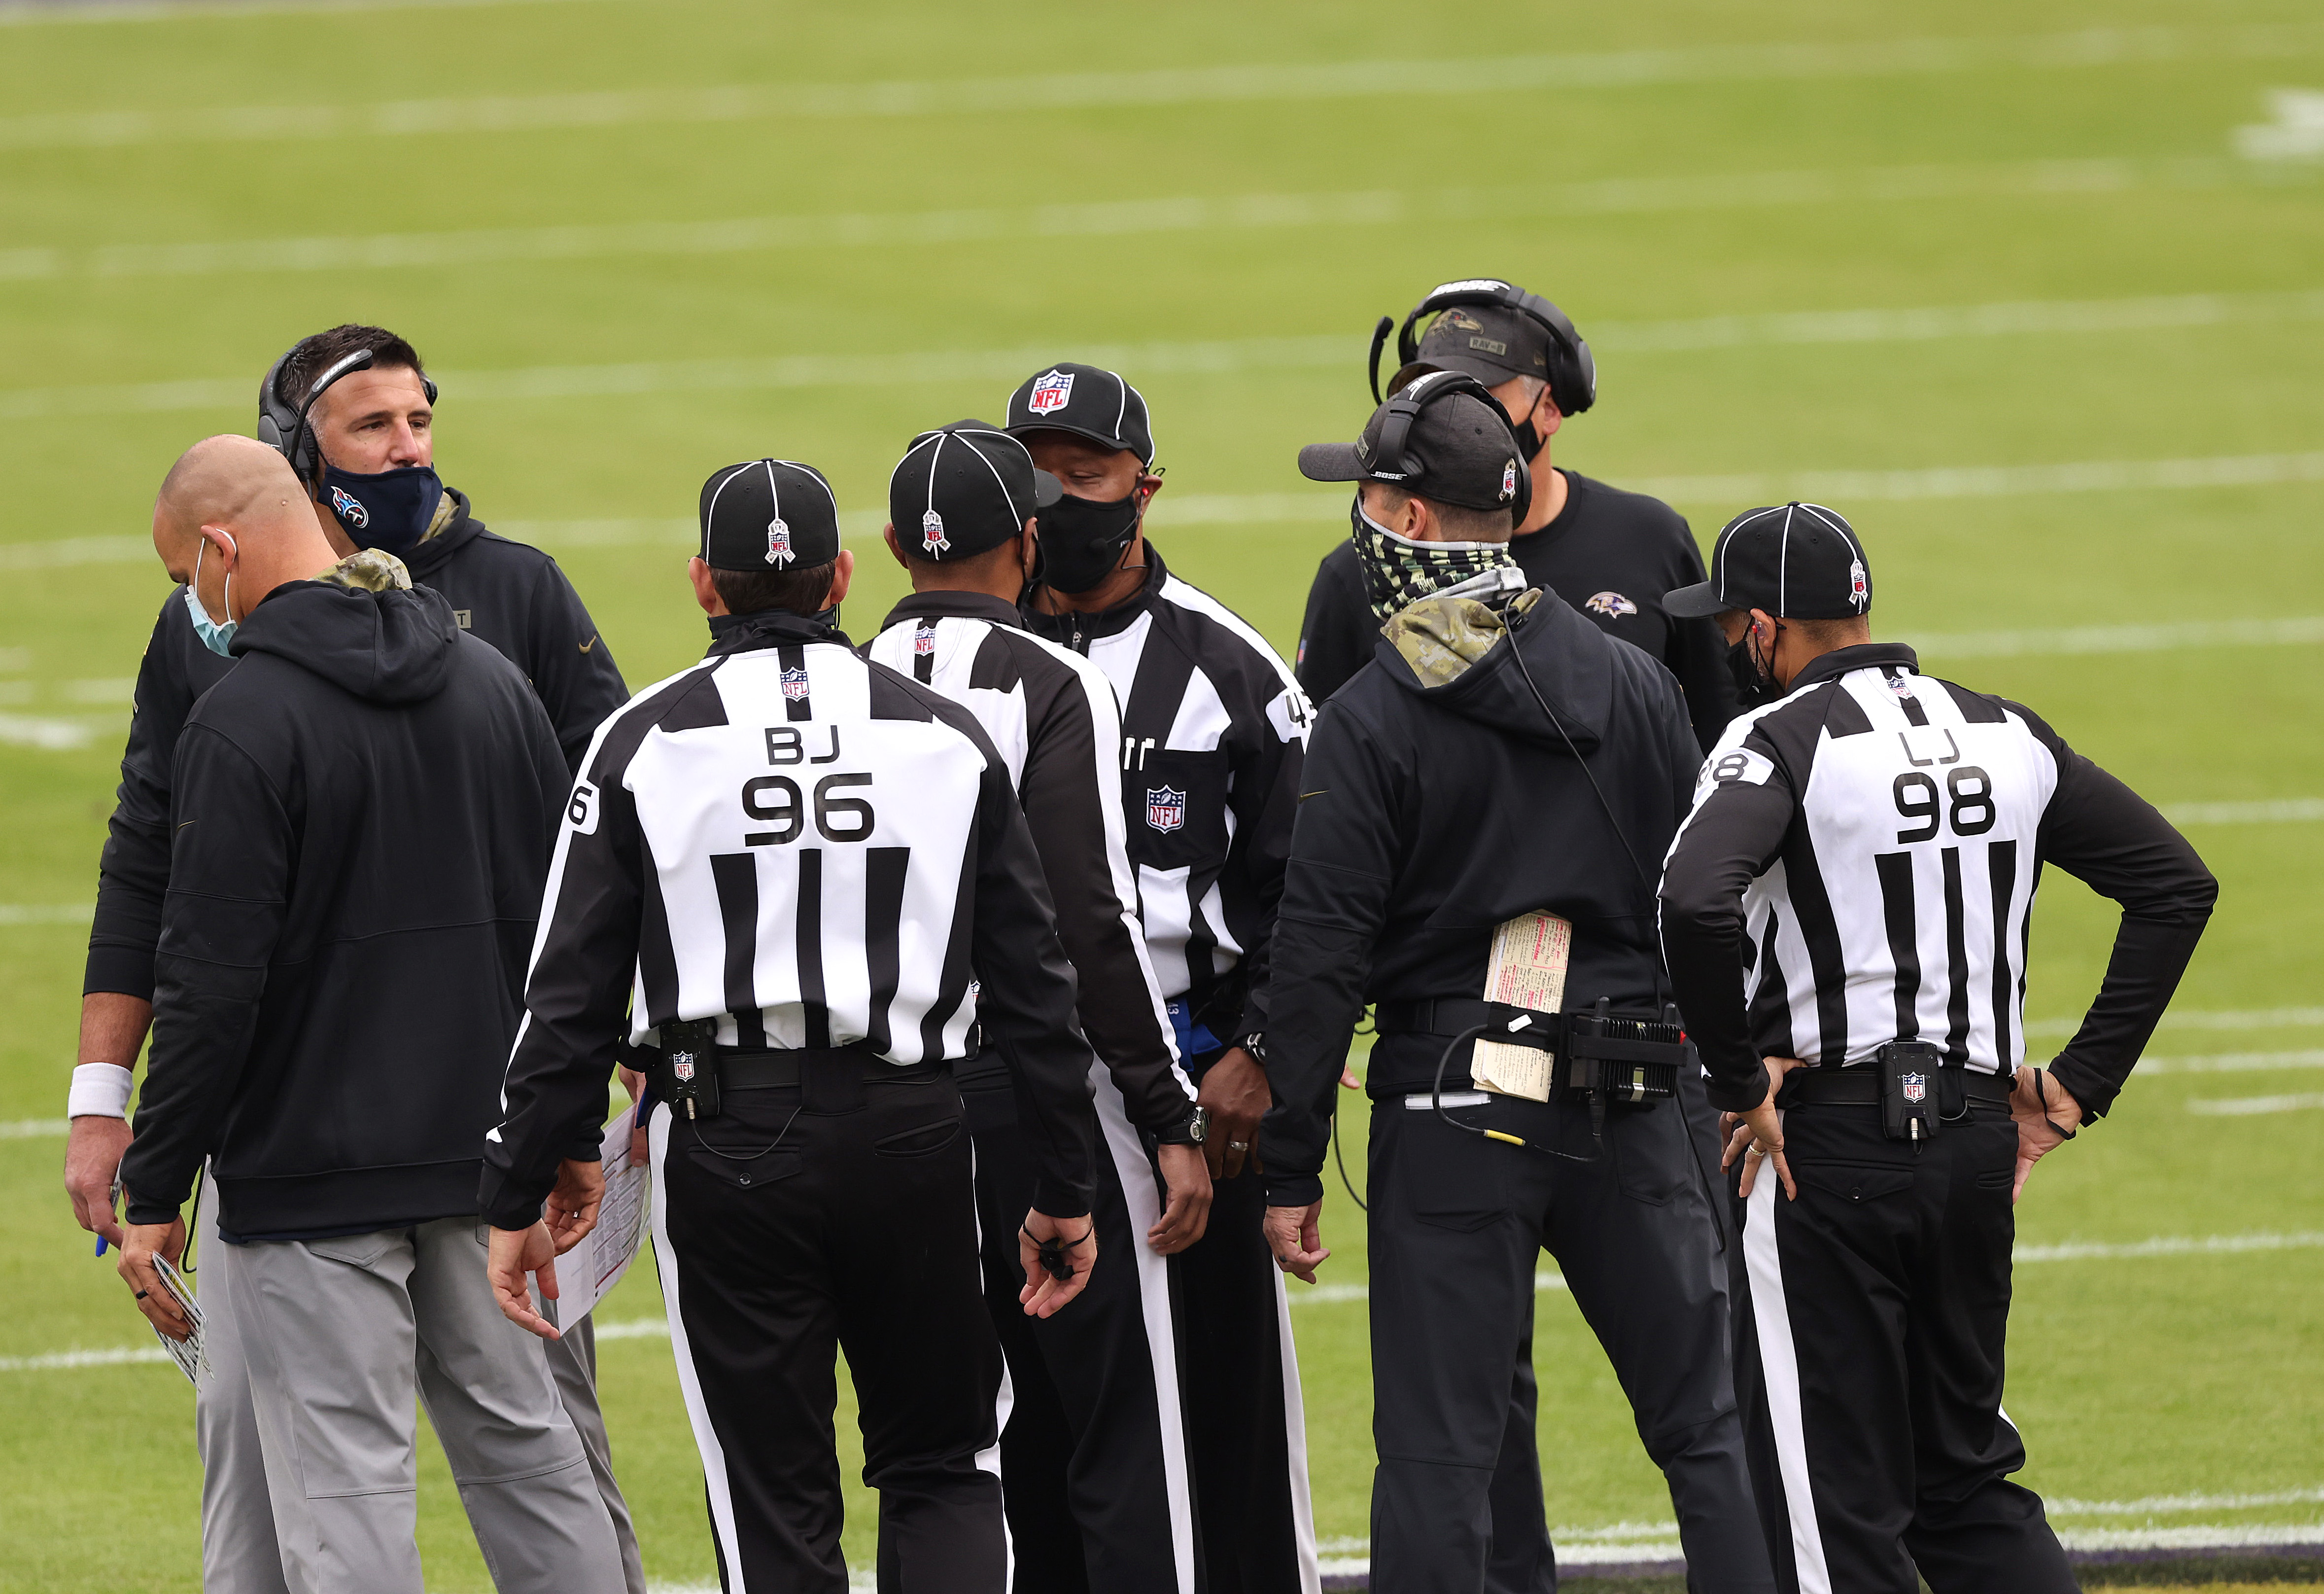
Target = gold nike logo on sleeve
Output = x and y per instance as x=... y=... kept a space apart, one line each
x=588 y=644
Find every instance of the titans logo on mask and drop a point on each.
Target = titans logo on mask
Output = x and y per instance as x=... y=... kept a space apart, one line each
x=1050 y=393
x=350 y=508
x=779 y=542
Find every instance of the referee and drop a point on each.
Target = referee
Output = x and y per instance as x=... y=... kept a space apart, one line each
x=1609 y=554
x=1094 y=1455
x=1847 y=914
x=786 y=872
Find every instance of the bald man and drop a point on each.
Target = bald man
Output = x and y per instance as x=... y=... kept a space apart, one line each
x=329 y=1028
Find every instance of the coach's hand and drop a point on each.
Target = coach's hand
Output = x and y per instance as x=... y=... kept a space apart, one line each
x=571 y=1210
x=1758 y=1135
x=1044 y=1293
x=1296 y=1236
x=2047 y=1116
x=1236 y=1092
x=93 y=1148
x=140 y=1244
x=1188 y=1212
x=513 y=1254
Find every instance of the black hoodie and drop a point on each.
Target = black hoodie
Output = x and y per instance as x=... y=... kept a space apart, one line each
x=1429 y=815
x=510 y=595
x=362 y=811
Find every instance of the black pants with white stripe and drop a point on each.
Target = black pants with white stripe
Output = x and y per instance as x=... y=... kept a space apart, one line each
x=1870 y=1362
x=1457 y=1225
x=799 y=1223
x=1245 y=1426
x=1093 y=1448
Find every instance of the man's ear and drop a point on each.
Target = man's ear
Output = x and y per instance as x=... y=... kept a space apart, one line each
x=888 y=535
x=704 y=594
x=1028 y=546
x=1546 y=416
x=842 y=576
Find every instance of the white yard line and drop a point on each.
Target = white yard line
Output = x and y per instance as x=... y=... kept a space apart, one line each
x=45 y=913
x=1167 y=85
x=2231 y=1063
x=2206 y=1018
x=36 y=1129
x=2236 y=1107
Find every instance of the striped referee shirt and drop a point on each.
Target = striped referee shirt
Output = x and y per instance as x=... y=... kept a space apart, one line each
x=1052 y=718
x=1213 y=729
x=814 y=851
x=1860 y=867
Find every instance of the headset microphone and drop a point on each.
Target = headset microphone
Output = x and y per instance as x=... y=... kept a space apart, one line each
x=1379 y=342
x=1573 y=373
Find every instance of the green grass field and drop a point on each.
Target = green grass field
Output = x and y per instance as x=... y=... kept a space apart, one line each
x=1818 y=247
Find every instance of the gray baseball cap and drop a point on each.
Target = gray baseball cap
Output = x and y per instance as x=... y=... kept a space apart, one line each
x=1484 y=341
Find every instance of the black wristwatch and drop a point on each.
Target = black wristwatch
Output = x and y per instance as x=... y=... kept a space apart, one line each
x=1192 y=1131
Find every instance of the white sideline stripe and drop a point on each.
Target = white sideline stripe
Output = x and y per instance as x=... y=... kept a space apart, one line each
x=2231 y=1063
x=51 y=736
x=2297 y=630
x=2283 y=810
x=46 y=912
x=2158 y=1504
x=36 y=1129
x=2235 y=1106
x=1304 y=507
x=2206 y=1018
x=1167 y=85
x=2216 y=1245
x=14 y=13
x=1324 y=350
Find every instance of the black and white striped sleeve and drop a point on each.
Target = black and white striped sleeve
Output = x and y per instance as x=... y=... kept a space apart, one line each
x=2112 y=839
x=577 y=994
x=1071 y=792
x=1746 y=802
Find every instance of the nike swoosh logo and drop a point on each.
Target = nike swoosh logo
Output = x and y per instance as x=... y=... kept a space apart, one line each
x=1324 y=792
x=188 y=823
x=588 y=644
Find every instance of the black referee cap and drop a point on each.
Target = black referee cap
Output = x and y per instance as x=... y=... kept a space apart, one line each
x=1796 y=562
x=964 y=489
x=768 y=515
x=1086 y=400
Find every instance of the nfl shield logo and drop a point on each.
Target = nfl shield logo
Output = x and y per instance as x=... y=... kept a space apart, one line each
x=681 y=1063
x=1509 y=480
x=924 y=641
x=932 y=537
x=779 y=542
x=1859 y=586
x=1916 y=1087
x=1051 y=392
x=795 y=683
x=1165 y=809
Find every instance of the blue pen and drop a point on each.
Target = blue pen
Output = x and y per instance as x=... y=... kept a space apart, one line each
x=113 y=1203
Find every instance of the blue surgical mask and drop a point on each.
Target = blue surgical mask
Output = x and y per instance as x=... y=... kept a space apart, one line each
x=217 y=638
x=390 y=511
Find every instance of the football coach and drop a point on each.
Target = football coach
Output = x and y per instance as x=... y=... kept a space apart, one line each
x=1498 y=759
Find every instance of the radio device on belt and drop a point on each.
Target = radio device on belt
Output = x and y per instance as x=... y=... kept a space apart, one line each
x=1537 y=1048
x=688 y=1078
x=1913 y=1083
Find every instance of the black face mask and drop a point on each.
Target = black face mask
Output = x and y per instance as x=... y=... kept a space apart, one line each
x=1754 y=686
x=390 y=511
x=1082 y=540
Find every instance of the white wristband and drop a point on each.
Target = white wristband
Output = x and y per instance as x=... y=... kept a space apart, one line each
x=99 y=1091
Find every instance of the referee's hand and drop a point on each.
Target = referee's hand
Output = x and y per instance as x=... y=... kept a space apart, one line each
x=1758 y=1135
x=514 y=1253
x=1044 y=1293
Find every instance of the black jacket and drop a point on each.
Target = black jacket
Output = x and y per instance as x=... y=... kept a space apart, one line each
x=330 y=1022
x=1429 y=816
x=1611 y=554
x=507 y=594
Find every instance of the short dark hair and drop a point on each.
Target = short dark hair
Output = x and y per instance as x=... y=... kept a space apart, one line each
x=1462 y=524
x=309 y=357
x=751 y=592
x=913 y=548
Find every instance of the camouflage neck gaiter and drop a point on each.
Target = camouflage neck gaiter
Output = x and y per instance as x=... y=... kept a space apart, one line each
x=1398 y=572
x=368 y=569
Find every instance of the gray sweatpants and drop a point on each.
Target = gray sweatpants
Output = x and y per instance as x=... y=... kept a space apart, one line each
x=337 y=1335
x=240 y=1551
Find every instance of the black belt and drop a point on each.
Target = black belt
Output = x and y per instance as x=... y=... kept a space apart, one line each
x=1434 y=1015
x=740 y=1069
x=1860 y=1087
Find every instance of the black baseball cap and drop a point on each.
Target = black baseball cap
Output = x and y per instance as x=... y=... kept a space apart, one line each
x=768 y=515
x=1459 y=450
x=1088 y=402
x=1486 y=341
x=1797 y=562
x=964 y=489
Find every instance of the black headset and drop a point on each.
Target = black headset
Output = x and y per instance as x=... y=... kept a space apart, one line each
x=1573 y=373
x=1404 y=411
x=282 y=425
